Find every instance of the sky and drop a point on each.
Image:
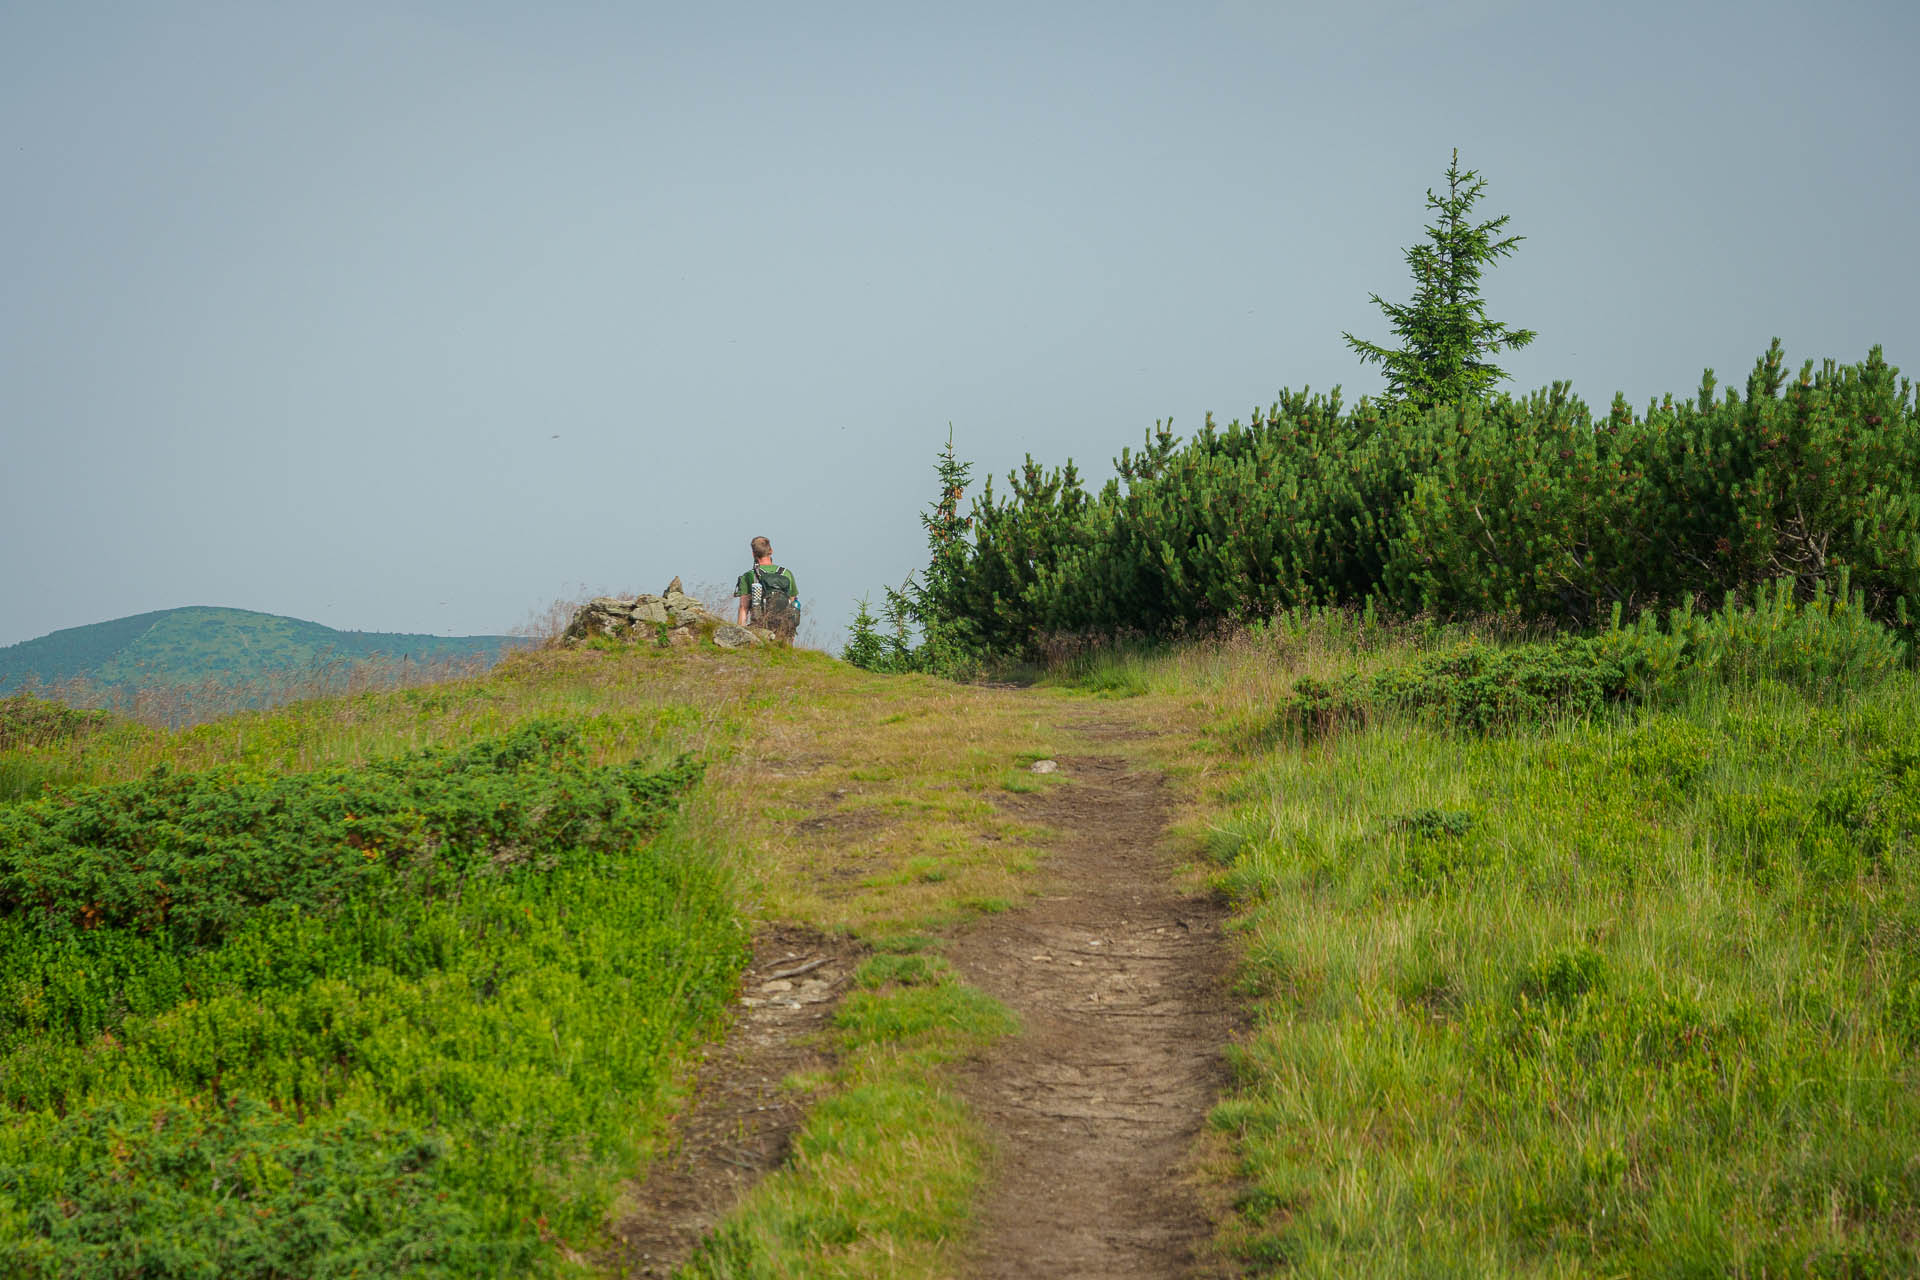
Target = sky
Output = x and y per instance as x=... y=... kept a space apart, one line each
x=420 y=316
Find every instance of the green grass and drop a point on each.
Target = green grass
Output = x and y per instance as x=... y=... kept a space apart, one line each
x=273 y=1010
x=410 y=1017
x=884 y=1171
x=1022 y=780
x=1619 y=994
x=35 y=735
x=23 y=777
x=1542 y=983
x=411 y=1013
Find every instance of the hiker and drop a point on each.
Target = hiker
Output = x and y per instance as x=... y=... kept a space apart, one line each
x=768 y=596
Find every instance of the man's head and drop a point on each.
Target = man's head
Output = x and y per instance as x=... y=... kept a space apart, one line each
x=761 y=548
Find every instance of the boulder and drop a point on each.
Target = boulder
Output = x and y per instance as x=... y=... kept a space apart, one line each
x=671 y=618
x=728 y=636
x=601 y=616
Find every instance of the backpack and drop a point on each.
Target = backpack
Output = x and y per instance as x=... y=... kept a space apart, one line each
x=771 y=604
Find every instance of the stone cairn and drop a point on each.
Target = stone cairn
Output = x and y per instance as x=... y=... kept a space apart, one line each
x=673 y=617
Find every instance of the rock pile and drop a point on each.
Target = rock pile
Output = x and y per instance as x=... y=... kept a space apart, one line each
x=672 y=617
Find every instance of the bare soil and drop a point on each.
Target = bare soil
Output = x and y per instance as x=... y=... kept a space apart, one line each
x=1120 y=983
x=1096 y=1108
x=739 y=1118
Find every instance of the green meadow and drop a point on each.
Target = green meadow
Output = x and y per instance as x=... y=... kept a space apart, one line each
x=1569 y=955
x=1566 y=957
x=412 y=982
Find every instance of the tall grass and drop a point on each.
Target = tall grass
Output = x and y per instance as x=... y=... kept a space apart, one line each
x=1628 y=990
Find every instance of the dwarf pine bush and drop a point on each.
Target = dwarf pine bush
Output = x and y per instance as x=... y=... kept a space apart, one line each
x=1531 y=509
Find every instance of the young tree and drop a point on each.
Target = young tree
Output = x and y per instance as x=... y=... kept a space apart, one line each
x=865 y=647
x=930 y=601
x=1444 y=332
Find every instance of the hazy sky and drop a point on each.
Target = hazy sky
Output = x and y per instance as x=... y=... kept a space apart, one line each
x=415 y=316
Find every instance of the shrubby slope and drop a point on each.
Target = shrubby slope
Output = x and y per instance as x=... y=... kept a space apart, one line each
x=1530 y=509
x=406 y=1016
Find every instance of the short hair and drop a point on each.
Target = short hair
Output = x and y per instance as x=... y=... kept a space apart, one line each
x=761 y=547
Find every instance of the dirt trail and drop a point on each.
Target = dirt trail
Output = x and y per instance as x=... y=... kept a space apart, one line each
x=1119 y=980
x=739 y=1117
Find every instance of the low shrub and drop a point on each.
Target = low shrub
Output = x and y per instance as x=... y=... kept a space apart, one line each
x=1876 y=808
x=1822 y=645
x=1817 y=646
x=1477 y=687
x=194 y=854
x=409 y=1018
x=271 y=1196
x=1435 y=822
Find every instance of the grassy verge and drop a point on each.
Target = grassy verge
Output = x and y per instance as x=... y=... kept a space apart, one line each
x=1594 y=988
x=406 y=1054
x=884 y=1171
x=843 y=799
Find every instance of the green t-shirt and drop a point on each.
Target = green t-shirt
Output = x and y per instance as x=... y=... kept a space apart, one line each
x=775 y=578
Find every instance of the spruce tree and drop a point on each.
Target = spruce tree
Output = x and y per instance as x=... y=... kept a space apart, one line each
x=865 y=648
x=932 y=602
x=1444 y=332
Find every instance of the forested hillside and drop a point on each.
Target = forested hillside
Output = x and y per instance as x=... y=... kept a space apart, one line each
x=189 y=645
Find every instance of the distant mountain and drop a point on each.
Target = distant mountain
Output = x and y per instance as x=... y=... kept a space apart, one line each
x=229 y=646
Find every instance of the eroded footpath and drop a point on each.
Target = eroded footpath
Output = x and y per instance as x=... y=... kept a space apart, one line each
x=740 y=1113
x=1094 y=1110
x=1119 y=979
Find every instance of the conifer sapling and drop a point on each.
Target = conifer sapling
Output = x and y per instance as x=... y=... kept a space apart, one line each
x=1445 y=335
